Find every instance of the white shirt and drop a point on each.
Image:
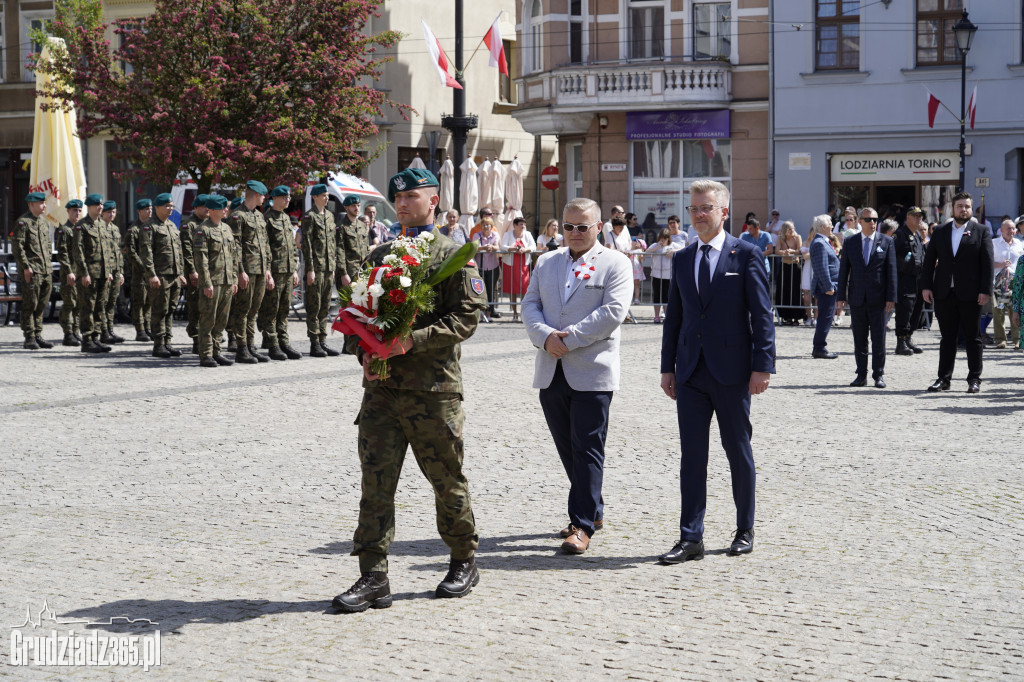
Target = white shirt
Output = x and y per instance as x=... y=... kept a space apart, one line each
x=958 y=234
x=570 y=271
x=713 y=255
x=1001 y=251
x=679 y=239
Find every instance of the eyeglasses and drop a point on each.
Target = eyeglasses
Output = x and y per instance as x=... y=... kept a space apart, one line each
x=703 y=208
x=486 y=215
x=569 y=227
x=870 y=220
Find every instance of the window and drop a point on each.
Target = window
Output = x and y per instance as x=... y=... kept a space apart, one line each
x=3 y=46
x=837 y=26
x=935 y=41
x=126 y=67
x=656 y=159
x=31 y=21
x=712 y=31
x=407 y=154
x=646 y=29
x=506 y=88
x=575 y=31
x=575 y=174
x=534 y=56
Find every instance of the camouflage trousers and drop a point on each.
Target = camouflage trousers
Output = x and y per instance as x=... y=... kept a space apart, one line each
x=142 y=303
x=318 y=306
x=213 y=317
x=273 y=317
x=192 y=295
x=69 y=307
x=110 y=304
x=245 y=307
x=34 y=297
x=389 y=421
x=91 y=302
x=164 y=301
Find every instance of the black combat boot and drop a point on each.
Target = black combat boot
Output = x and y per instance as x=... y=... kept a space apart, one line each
x=175 y=353
x=316 y=350
x=260 y=357
x=195 y=346
x=90 y=346
x=461 y=579
x=232 y=346
x=243 y=356
x=276 y=353
x=208 y=362
x=371 y=590
x=149 y=333
x=160 y=350
x=901 y=346
x=141 y=335
x=70 y=340
x=221 y=360
x=78 y=337
x=266 y=343
x=917 y=350
x=31 y=343
x=104 y=348
x=327 y=349
x=115 y=338
x=291 y=352
x=107 y=337
x=43 y=343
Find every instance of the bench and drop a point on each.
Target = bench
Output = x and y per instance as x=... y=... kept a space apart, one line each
x=6 y=297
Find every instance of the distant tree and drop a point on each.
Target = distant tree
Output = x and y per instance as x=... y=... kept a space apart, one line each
x=226 y=90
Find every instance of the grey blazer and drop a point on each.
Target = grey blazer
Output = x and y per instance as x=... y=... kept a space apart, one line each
x=592 y=314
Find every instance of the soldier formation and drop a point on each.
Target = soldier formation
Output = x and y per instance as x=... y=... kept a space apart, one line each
x=236 y=268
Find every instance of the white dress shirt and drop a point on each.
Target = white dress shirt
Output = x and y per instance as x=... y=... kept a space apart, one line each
x=957 y=235
x=713 y=255
x=1001 y=251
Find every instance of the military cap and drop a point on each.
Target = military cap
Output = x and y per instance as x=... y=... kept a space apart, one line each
x=200 y=200
x=410 y=178
x=215 y=202
x=318 y=189
x=94 y=200
x=256 y=186
x=163 y=199
x=280 y=191
x=915 y=209
x=74 y=203
x=33 y=197
x=350 y=199
x=143 y=204
x=109 y=205
x=236 y=202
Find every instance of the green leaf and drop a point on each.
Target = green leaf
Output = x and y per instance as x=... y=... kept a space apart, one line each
x=453 y=263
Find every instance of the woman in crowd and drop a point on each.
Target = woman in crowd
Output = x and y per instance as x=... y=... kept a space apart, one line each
x=488 y=261
x=787 y=278
x=661 y=270
x=806 y=269
x=551 y=237
x=517 y=244
x=636 y=243
x=451 y=221
x=1017 y=298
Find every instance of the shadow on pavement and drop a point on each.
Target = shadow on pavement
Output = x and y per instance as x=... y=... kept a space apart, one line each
x=170 y=615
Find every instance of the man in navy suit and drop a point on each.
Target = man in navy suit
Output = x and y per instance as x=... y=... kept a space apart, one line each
x=717 y=349
x=867 y=280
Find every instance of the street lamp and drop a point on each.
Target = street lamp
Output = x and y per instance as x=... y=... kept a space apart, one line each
x=963 y=32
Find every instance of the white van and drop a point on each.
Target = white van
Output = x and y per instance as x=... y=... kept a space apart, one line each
x=340 y=185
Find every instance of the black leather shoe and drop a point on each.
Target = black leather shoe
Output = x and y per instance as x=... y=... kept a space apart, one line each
x=223 y=361
x=684 y=550
x=371 y=590
x=461 y=579
x=824 y=355
x=859 y=381
x=316 y=350
x=276 y=353
x=879 y=382
x=43 y=343
x=743 y=543
x=939 y=385
x=974 y=386
x=327 y=349
x=291 y=352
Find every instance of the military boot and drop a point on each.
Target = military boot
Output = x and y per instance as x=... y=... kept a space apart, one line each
x=901 y=346
x=462 y=577
x=316 y=350
x=116 y=338
x=221 y=360
x=77 y=334
x=243 y=356
x=276 y=353
x=232 y=346
x=90 y=346
x=31 y=343
x=70 y=340
x=160 y=350
x=43 y=343
x=175 y=353
x=195 y=346
x=291 y=352
x=107 y=337
x=104 y=348
x=371 y=590
x=141 y=335
x=327 y=349
x=260 y=357
x=266 y=342
x=912 y=346
x=208 y=362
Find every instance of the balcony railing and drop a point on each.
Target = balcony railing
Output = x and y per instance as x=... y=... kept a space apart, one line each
x=633 y=84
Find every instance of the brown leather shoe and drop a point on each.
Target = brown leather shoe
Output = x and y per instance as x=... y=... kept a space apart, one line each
x=567 y=531
x=577 y=542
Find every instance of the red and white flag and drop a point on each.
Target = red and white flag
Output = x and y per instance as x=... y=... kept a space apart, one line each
x=972 y=107
x=933 y=108
x=439 y=58
x=492 y=39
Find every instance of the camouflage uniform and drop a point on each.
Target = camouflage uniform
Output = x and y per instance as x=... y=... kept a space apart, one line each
x=216 y=259
x=420 y=404
x=31 y=249
x=250 y=232
x=273 y=318
x=64 y=236
x=160 y=253
x=93 y=257
x=318 y=254
x=188 y=235
x=142 y=302
x=113 y=235
x=352 y=245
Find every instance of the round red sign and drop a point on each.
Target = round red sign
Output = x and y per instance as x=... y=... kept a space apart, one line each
x=549 y=177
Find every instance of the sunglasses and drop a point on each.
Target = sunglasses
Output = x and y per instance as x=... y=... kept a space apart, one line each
x=870 y=220
x=569 y=227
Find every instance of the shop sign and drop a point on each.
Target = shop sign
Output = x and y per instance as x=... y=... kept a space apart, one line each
x=678 y=124
x=613 y=167
x=905 y=166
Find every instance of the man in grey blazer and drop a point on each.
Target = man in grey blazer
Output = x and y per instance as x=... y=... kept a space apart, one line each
x=577 y=299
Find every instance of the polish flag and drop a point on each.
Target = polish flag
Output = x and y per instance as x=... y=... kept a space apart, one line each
x=439 y=58
x=492 y=39
x=933 y=108
x=972 y=106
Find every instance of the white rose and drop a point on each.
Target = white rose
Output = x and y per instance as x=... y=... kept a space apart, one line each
x=359 y=288
x=390 y=258
x=376 y=290
x=427 y=236
x=360 y=299
x=405 y=282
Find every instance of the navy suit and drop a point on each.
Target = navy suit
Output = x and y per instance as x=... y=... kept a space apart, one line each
x=712 y=348
x=867 y=287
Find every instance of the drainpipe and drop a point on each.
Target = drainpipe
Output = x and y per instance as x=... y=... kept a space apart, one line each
x=771 y=105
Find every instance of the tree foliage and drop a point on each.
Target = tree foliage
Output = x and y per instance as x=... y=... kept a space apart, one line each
x=226 y=90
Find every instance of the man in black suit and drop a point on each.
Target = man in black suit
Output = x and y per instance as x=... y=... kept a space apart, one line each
x=957 y=277
x=867 y=280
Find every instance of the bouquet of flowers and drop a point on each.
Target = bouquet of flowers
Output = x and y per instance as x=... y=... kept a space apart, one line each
x=382 y=304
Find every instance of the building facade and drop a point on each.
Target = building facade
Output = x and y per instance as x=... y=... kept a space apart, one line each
x=850 y=106
x=646 y=96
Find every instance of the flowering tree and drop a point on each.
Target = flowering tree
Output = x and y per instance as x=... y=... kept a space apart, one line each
x=226 y=90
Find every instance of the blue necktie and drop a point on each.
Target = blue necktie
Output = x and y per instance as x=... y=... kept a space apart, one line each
x=704 y=275
x=867 y=249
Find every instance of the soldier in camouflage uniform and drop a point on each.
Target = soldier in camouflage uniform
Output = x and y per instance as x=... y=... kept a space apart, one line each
x=163 y=268
x=318 y=254
x=188 y=235
x=254 y=276
x=94 y=262
x=215 y=252
x=141 y=301
x=63 y=237
x=352 y=244
x=273 y=319
x=31 y=248
x=419 y=404
x=113 y=235
x=232 y=207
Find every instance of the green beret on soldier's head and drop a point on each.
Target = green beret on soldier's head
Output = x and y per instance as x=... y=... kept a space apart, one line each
x=236 y=202
x=109 y=205
x=143 y=204
x=410 y=178
x=33 y=197
x=200 y=200
x=215 y=202
x=163 y=199
x=317 y=190
x=256 y=186
x=350 y=199
x=94 y=200
x=280 y=191
x=74 y=203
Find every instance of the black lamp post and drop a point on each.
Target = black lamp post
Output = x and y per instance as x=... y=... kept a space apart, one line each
x=964 y=32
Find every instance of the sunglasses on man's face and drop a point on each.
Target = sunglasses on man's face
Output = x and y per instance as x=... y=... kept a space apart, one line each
x=570 y=227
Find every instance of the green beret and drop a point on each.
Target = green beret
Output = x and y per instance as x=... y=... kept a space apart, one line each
x=109 y=206
x=257 y=186
x=94 y=200
x=200 y=200
x=350 y=199
x=280 y=191
x=74 y=203
x=215 y=202
x=318 y=189
x=410 y=178
x=143 y=204
x=33 y=197
x=163 y=199
x=236 y=202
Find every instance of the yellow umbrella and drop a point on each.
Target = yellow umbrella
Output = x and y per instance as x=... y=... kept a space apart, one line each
x=57 y=167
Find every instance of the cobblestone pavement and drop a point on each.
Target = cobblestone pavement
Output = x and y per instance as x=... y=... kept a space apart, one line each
x=220 y=504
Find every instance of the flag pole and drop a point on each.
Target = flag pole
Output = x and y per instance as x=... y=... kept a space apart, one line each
x=481 y=42
x=951 y=112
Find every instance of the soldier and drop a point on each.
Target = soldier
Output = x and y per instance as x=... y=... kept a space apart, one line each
x=273 y=317
x=63 y=237
x=188 y=234
x=32 y=252
x=113 y=236
x=141 y=300
x=94 y=263
x=215 y=254
x=254 y=276
x=353 y=243
x=419 y=404
x=233 y=204
x=318 y=254
x=162 y=266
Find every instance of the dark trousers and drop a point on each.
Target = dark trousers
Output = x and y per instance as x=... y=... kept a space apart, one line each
x=865 y=319
x=826 y=313
x=697 y=399
x=908 y=307
x=578 y=421
x=956 y=317
x=490 y=282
